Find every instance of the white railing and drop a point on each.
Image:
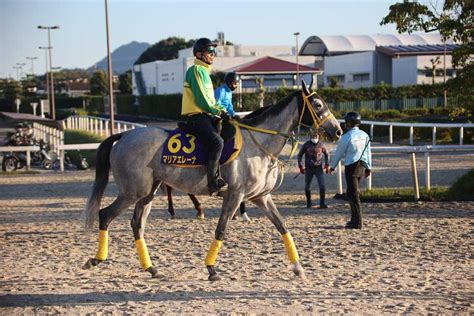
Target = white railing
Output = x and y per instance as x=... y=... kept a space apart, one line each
x=51 y=135
x=97 y=125
x=62 y=148
x=411 y=150
x=412 y=126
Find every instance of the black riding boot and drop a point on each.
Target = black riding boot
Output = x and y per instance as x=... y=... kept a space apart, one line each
x=356 y=220
x=214 y=181
x=322 y=198
x=308 y=198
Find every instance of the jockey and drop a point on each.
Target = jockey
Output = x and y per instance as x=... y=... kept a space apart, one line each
x=223 y=93
x=202 y=111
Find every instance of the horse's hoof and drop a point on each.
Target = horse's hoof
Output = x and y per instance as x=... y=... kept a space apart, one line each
x=153 y=272
x=92 y=262
x=200 y=216
x=299 y=271
x=214 y=277
x=246 y=218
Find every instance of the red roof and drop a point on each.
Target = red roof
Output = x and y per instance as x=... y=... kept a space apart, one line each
x=269 y=64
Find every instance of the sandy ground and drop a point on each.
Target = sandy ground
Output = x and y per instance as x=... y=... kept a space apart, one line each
x=414 y=258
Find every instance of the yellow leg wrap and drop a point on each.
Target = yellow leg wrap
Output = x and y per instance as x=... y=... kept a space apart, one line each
x=103 y=250
x=213 y=252
x=290 y=248
x=143 y=255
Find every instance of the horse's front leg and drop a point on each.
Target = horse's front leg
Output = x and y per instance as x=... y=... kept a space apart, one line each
x=229 y=207
x=267 y=205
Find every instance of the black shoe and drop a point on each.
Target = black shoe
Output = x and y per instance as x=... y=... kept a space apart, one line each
x=321 y=206
x=309 y=205
x=217 y=185
x=352 y=225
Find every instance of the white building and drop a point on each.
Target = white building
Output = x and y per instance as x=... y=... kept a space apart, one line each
x=364 y=60
x=167 y=77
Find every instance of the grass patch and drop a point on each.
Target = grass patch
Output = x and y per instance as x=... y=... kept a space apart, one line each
x=403 y=194
x=18 y=173
x=82 y=137
x=463 y=188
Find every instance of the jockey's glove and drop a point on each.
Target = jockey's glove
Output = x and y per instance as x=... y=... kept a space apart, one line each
x=225 y=116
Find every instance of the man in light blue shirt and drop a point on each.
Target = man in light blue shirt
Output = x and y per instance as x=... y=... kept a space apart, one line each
x=354 y=146
x=223 y=93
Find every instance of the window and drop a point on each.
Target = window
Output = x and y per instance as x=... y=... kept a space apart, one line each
x=338 y=79
x=361 y=77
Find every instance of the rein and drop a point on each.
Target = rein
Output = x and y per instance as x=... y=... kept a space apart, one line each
x=317 y=122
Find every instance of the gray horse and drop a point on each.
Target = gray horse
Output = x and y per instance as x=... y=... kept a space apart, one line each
x=136 y=165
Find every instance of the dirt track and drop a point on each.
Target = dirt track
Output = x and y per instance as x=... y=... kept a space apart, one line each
x=409 y=258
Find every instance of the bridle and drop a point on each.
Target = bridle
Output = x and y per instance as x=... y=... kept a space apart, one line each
x=318 y=121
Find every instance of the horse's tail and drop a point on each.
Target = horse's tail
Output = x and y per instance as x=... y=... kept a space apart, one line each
x=102 y=168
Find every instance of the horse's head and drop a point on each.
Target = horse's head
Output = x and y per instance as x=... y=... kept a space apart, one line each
x=315 y=112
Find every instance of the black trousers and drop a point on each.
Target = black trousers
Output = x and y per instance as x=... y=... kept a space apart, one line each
x=205 y=129
x=354 y=174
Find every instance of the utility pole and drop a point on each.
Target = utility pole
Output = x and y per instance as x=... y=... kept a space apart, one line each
x=297 y=62
x=111 y=78
x=53 y=107
x=32 y=64
x=46 y=73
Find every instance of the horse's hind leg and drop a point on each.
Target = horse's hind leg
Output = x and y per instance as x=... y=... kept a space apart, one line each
x=268 y=207
x=106 y=215
x=197 y=206
x=142 y=210
x=169 y=190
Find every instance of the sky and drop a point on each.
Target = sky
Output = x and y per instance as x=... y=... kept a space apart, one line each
x=81 y=40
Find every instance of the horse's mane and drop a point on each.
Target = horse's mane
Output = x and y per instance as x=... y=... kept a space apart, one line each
x=262 y=114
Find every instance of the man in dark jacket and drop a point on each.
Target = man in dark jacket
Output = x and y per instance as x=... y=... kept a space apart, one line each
x=315 y=152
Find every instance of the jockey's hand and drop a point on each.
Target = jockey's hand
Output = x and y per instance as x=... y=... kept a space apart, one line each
x=236 y=117
x=331 y=170
x=326 y=168
x=225 y=116
x=301 y=169
x=367 y=173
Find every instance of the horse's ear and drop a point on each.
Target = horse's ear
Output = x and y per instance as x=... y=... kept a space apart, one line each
x=311 y=83
x=305 y=88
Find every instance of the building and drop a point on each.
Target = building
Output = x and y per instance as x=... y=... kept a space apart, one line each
x=167 y=77
x=365 y=60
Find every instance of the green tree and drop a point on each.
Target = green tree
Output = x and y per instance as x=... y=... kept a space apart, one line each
x=164 y=50
x=11 y=90
x=99 y=83
x=454 y=20
x=125 y=82
x=432 y=70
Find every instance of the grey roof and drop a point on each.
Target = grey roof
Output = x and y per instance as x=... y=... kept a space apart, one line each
x=407 y=50
x=342 y=44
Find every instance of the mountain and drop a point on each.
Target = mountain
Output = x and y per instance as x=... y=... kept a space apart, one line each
x=122 y=58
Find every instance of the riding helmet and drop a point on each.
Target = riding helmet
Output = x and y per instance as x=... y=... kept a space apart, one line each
x=229 y=78
x=352 y=119
x=201 y=44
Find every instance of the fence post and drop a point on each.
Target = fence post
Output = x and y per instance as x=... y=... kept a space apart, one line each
x=411 y=135
x=461 y=135
x=434 y=135
x=371 y=131
x=369 y=182
x=339 y=178
x=390 y=134
x=427 y=171
x=415 y=177
x=107 y=131
x=28 y=159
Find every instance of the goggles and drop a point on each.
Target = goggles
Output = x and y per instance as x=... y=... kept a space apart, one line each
x=211 y=50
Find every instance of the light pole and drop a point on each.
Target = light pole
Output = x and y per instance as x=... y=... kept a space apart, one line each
x=53 y=110
x=17 y=74
x=445 y=92
x=109 y=62
x=21 y=68
x=297 y=63
x=32 y=59
x=47 y=72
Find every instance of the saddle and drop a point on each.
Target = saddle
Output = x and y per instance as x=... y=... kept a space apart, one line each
x=183 y=149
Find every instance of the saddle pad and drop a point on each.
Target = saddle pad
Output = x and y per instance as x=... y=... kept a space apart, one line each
x=186 y=151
